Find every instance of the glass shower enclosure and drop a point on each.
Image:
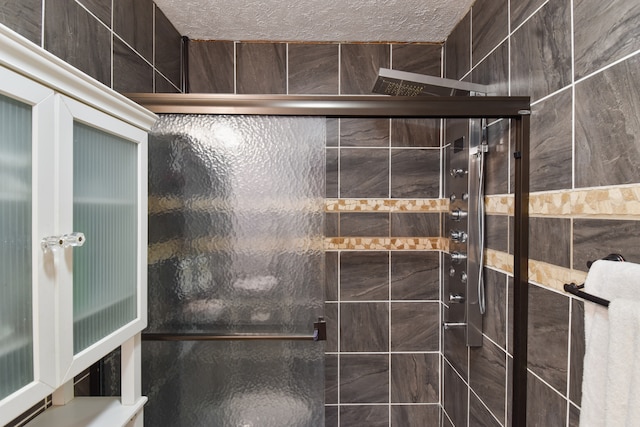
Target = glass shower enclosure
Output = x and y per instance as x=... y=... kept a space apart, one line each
x=236 y=220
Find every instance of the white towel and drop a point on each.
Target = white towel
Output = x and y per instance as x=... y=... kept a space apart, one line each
x=619 y=281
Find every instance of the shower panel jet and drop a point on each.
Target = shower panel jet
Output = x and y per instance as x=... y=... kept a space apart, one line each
x=465 y=295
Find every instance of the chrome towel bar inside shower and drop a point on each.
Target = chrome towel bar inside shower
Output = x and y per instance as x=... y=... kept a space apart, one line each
x=319 y=334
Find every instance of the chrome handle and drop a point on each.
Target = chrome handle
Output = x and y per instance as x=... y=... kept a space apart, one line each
x=457 y=172
x=63 y=241
x=458 y=214
x=456 y=299
x=458 y=236
x=458 y=256
x=454 y=325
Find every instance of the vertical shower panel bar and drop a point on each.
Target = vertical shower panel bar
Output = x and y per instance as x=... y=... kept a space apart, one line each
x=520 y=269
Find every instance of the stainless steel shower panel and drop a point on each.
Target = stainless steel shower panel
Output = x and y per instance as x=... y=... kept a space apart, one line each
x=463 y=263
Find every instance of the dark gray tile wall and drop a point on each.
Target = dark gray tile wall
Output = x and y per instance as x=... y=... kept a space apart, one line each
x=261 y=68
x=584 y=133
x=313 y=69
x=211 y=66
x=79 y=32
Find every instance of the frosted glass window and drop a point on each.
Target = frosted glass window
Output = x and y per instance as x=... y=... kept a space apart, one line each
x=16 y=337
x=104 y=209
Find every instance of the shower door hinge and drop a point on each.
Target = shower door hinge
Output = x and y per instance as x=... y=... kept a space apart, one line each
x=517 y=154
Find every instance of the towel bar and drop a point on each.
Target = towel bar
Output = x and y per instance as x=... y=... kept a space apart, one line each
x=574 y=289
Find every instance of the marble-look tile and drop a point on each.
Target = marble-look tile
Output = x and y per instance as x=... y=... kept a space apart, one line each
x=551 y=146
x=364 y=132
x=545 y=230
x=456 y=350
x=455 y=396
x=574 y=416
x=604 y=33
x=211 y=66
x=495 y=319
x=490 y=26
x=415 y=132
x=131 y=73
x=333 y=131
x=493 y=71
x=415 y=275
x=76 y=37
x=364 y=173
x=331 y=276
x=313 y=68
x=521 y=10
x=331 y=177
x=168 y=59
x=457 y=50
x=545 y=407
x=133 y=21
x=364 y=276
x=415 y=173
x=261 y=68
x=576 y=363
x=487 y=376
x=331 y=416
x=446 y=422
x=541 y=52
x=100 y=8
x=364 y=326
x=331 y=318
x=415 y=415
x=364 y=224
x=497 y=232
x=331 y=224
x=479 y=415
x=415 y=378
x=359 y=66
x=417 y=58
x=370 y=416
x=162 y=85
x=330 y=378
x=617 y=201
x=364 y=378
x=608 y=126
x=415 y=224
x=596 y=238
x=497 y=160
x=510 y=317
x=548 y=336
x=410 y=334
x=24 y=17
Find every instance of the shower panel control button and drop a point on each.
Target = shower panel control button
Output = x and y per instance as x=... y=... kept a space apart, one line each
x=456 y=298
x=458 y=172
x=452 y=272
x=452 y=197
x=458 y=214
x=458 y=236
x=458 y=256
x=463 y=277
x=465 y=196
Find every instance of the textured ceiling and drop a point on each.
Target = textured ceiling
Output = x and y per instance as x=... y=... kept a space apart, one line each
x=320 y=20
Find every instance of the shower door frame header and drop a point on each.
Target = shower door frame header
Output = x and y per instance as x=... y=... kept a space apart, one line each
x=464 y=107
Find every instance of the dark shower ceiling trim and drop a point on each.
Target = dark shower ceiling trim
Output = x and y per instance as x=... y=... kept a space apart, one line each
x=336 y=105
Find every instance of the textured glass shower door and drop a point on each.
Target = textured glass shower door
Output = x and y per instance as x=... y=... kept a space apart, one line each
x=235 y=248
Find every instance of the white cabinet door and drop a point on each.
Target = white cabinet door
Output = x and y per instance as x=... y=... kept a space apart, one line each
x=27 y=204
x=103 y=187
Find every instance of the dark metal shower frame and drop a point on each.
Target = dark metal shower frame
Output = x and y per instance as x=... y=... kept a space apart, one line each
x=516 y=108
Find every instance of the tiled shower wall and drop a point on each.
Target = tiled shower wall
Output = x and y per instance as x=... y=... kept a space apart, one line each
x=128 y=45
x=383 y=222
x=580 y=63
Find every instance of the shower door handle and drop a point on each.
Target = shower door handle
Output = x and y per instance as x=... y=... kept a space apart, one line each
x=319 y=334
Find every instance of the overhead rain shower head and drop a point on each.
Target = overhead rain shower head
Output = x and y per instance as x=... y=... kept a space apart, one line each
x=403 y=83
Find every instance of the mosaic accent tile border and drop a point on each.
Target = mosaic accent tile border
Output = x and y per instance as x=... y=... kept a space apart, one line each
x=548 y=275
x=603 y=202
x=386 y=205
x=387 y=243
